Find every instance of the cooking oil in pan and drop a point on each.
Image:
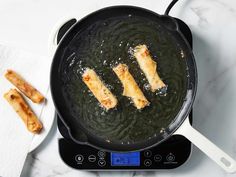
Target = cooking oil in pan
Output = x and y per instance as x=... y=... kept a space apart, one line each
x=105 y=44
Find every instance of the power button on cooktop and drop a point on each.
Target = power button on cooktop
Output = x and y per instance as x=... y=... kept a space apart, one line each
x=79 y=158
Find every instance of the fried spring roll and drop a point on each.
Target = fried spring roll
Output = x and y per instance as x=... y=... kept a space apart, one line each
x=148 y=66
x=131 y=88
x=99 y=90
x=24 y=86
x=23 y=110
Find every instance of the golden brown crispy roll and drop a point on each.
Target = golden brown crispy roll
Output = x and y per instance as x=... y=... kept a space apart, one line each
x=131 y=88
x=99 y=90
x=149 y=67
x=23 y=110
x=24 y=86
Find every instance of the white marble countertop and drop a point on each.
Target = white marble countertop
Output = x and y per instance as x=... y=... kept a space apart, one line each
x=26 y=24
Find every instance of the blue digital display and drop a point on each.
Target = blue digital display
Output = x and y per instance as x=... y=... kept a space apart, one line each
x=125 y=159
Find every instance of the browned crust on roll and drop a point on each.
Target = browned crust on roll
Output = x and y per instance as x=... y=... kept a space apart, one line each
x=99 y=90
x=148 y=66
x=131 y=88
x=27 y=89
x=23 y=110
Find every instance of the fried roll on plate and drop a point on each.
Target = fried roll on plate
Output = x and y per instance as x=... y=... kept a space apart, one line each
x=23 y=110
x=27 y=89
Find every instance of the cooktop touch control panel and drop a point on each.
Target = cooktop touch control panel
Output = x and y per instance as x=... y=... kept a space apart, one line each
x=163 y=156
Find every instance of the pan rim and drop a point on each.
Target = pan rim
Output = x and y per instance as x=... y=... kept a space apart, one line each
x=139 y=145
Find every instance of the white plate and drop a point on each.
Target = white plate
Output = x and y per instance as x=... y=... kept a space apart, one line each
x=47 y=118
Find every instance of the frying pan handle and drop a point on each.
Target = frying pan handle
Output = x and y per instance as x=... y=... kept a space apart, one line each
x=53 y=38
x=205 y=145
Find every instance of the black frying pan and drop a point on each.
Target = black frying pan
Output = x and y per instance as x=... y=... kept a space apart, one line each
x=101 y=40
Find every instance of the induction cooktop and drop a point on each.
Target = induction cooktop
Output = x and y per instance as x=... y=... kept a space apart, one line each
x=168 y=155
